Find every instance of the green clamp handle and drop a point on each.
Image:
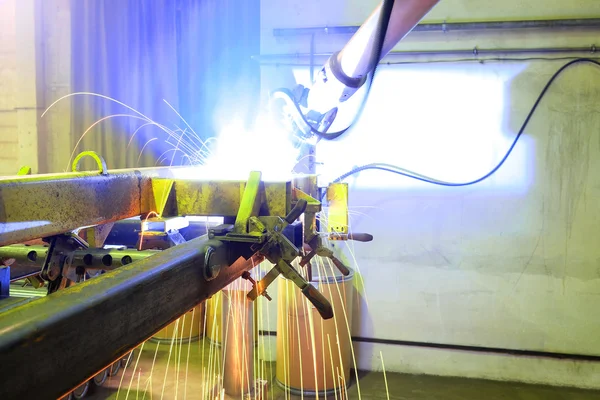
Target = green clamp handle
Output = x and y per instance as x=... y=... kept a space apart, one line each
x=340 y=266
x=306 y=259
x=297 y=211
x=360 y=237
x=319 y=301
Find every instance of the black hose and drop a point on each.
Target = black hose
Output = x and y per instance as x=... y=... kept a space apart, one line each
x=413 y=175
x=384 y=20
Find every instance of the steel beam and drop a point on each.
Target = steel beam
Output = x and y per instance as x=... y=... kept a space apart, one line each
x=38 y=206
x=51 y=345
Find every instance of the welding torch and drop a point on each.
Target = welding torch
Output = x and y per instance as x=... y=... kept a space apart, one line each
x=310 y=112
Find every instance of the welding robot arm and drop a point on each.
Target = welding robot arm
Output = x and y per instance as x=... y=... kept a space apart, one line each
x=313 y=110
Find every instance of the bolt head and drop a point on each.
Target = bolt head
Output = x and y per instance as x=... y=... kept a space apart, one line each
x=211 y=265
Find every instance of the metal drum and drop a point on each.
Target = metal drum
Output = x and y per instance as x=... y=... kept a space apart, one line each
x=189 y=327
x=314 y=355
x=214 y=311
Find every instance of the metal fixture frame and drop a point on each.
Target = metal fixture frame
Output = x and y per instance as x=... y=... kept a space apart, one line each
x=96 y=322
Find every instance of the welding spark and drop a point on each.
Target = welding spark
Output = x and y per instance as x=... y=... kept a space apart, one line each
x=188 y=142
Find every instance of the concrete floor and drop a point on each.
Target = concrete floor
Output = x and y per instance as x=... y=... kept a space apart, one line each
x=162 y=372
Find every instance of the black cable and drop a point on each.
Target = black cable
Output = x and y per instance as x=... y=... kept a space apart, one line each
x=400 y=171
x=497 y=350
x=384 y=20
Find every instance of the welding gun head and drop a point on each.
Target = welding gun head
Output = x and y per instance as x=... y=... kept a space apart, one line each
x=302 y=124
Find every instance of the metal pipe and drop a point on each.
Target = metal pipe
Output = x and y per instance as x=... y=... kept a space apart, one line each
x=583 y=23
x=108 y=259
x=474 y=52
x=30 y=259
x=24 y=254
x=82 y=329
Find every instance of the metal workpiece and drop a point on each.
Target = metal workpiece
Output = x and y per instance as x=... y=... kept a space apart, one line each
x=100 y=320
x=224 y=198
x=35 y=206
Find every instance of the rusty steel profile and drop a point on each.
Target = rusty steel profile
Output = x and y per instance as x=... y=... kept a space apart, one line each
x=82 y=329
x=36 y=206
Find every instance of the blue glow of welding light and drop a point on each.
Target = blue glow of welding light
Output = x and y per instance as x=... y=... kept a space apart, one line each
x=238 y=151
x=449 y=122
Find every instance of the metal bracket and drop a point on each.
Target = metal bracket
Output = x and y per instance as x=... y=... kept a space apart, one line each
x=57 y=257
x=24 y=170
x=266 y=234
x=281 y=252
x=249 y=204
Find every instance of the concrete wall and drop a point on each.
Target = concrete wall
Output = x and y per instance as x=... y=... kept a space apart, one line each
x=8 y=83
x=55 y=127
x=35 y=70
x=509 y=263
